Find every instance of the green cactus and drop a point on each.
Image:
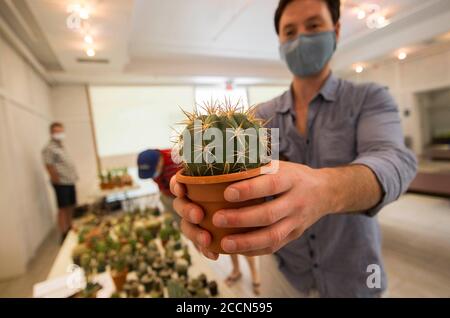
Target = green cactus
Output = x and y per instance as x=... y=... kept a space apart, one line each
x=181 y=267
x=176 y=289
x=119 y=264
x=234 y=123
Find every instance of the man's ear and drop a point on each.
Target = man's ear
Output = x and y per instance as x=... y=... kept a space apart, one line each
x=338 y=30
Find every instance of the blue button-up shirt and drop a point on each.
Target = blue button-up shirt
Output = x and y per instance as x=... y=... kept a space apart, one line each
x=347 y=124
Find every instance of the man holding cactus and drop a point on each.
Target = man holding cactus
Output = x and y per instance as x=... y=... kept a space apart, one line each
x=347 y=160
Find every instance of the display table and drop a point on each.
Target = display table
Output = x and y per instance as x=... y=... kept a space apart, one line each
x=63 y=264
x=437 y=184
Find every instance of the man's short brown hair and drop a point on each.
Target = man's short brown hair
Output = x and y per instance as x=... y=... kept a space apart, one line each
x=54 y=125
x=333 y=5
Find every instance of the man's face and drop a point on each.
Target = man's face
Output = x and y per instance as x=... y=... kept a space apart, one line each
x=58 y=133
x=57 y=130
x=305 y=17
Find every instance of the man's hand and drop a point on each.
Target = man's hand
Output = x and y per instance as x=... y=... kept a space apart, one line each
x=301 y=198
x=54 y=177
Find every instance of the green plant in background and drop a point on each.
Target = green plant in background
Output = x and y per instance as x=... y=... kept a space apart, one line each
x=119 y=264
x=90 y=291
x=77 y=252
x=165 y=233
x=176 y=289
x=240 y=133
x=129 y=244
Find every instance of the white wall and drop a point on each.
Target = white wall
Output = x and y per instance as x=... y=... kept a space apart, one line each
x=27 y=208
x=70 y=107
x=405 y=80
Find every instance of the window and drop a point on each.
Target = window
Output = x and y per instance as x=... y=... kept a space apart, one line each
x=131 y=119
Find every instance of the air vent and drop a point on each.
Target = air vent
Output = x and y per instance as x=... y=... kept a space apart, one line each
x=92 y=61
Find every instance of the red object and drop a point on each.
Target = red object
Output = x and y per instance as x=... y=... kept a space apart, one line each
x=168 y=171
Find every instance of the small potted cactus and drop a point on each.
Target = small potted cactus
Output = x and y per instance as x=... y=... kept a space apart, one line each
x=119 y=272
x=176 y=289
x=181 y=267
x=222 y=145
x=148 y=281
x=213 y=289
x=77 y=252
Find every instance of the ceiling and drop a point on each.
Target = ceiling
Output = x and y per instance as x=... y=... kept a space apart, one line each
x=147 y=41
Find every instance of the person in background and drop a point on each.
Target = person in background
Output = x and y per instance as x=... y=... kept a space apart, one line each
x=157 y=164
x=63 y=176
x=236 y=274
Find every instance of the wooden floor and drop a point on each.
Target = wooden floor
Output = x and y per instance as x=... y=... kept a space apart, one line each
x=416 y=249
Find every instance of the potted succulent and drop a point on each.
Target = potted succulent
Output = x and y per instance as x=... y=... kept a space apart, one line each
x=202 y=279
x=158 y=265
x=165 y=274
x=135 y=290
x=165 y=234
x=119 y=272
x=151 y=256
x=186 y=256
x=77 y=252
x=211 y=161
x=85 y=261
x=90 y=291
x=176 y=289
x=158 y=289
x=181 y=267
x=148 y=282
x=213 y=289
x=195 y=287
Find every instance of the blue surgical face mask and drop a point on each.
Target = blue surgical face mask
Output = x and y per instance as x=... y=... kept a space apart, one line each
x=307 y=55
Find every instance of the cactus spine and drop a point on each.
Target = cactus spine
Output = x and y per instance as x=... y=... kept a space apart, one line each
x=222 y=138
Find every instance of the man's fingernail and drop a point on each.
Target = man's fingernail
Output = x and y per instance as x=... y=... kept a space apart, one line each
x=211 y=255
x=231 y=195
x=229 y=245
x=193 y=216
x=201 y=239
x=220 y=220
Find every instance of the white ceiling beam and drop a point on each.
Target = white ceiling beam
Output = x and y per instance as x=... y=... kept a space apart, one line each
x=23 y=50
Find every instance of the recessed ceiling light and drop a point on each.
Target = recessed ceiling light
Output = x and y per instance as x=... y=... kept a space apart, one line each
x=359 y=69
x=84 y=13
x=377 y=21
x=361 y=14
x=402 y=55
x=88 y=39
x=90 y=52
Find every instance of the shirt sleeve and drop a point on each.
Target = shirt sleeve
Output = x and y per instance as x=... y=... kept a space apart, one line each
x=48 y=156
x=381 y=146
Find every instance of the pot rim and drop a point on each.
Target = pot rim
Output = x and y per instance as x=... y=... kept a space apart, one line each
x=222 y=178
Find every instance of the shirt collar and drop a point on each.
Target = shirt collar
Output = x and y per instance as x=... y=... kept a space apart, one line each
x=55 y=142
x=328 y=92
x=329 y=89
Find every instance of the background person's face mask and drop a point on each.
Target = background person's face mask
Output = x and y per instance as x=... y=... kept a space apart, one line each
x=307 y=55
x=58 y=136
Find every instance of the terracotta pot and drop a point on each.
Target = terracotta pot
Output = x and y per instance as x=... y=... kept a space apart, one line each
x=119 y=279
x=208 y=192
